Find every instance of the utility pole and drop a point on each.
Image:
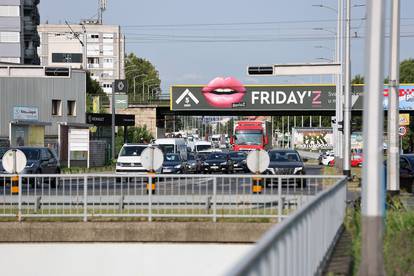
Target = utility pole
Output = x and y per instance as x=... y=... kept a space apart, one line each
x=339 y=85
x=347 y=94
x=113 y=120
x=372 y=173
x=393 y=163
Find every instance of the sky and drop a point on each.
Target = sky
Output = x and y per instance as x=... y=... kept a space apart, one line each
x=192 y=41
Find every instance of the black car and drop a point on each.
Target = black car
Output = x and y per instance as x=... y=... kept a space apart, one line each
x=286 y=162
x=195 y=163
x=239 y=160
x=40 y=160
x=2 y=152
x=173 y=164
x=406 y=172
x=218 y=162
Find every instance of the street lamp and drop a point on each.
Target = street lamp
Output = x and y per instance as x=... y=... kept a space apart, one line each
x=148 y=89
x=141 y=75
x=143 y=88
x=326 y=7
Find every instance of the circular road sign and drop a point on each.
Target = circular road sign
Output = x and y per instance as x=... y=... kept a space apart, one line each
x=402 y=130
x=258 y=161
x=14 y=161
x=152 y=158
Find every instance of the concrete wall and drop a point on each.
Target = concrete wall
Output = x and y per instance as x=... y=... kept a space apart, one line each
x=132 y=232
x=144 y=115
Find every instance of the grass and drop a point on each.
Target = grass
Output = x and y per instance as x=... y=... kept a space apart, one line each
x=80 y=170
x=398 y=243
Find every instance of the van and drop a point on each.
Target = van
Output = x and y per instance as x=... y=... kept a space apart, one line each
x=172 y=145
x=129 y=159
x=202 y=146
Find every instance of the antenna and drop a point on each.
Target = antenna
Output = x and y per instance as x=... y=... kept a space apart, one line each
x=102 y=7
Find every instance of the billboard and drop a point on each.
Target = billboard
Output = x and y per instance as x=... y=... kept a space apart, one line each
x=312 y=139
x=228 y=94
x=25 y=113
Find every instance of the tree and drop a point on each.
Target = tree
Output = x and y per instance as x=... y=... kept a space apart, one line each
x=135 y=135
x=407 y=71
x=93 y=89
x=358 y=79
x=144 y=72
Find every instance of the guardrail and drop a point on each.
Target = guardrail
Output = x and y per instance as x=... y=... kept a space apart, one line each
x=149 y=196
x=300 y=244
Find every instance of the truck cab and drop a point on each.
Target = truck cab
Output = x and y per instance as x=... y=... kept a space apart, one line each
x=251 y=135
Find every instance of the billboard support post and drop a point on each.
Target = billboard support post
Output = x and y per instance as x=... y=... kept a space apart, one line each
x=347 y=94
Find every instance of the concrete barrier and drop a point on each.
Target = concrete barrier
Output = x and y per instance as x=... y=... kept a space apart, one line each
x=199 y=232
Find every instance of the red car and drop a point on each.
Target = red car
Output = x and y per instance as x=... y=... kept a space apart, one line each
x=356 y=160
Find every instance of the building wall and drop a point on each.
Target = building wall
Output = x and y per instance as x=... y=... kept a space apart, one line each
x=104 y=43
x=18 y=34
x=39 y=92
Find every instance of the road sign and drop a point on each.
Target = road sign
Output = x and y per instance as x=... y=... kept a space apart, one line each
x=105 y=119
x=120 y=86
x=152 y=158
x=14 y=161
x=404 y=119
x=258 y=161
x=402 y=130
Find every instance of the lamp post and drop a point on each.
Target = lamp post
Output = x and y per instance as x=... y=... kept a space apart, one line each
x=143 y=88
x=141 y=75
x=148 y=89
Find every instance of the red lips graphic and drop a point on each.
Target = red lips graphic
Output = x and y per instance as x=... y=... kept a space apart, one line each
x=224 y=92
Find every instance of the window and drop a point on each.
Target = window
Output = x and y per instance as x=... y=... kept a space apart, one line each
x=56 y=107
x=66 y=58
x=108 y=50
x=108 y=63
x=9 y=37
x=92 y=49
x=108 y=38
x=71 y=108
x=9 y=11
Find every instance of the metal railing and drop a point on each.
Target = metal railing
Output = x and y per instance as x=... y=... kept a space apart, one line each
x=150 y=196
x=299 y=245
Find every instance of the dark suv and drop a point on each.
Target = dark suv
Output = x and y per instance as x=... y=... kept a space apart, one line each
x=287 y=162
x=40 y=160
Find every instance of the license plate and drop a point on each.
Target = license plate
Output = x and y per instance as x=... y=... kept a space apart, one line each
x=214 y=167
x=167 y=170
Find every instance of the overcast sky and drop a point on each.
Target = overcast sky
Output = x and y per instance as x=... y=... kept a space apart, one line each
x=192 y=42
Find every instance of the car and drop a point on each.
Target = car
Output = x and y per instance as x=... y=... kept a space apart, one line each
x=40 y=160
x=287 y=162
x=218 y=162
x=173 y=164
x=327 y=159
x=2 y=152
x=195 y=163
x=356 y=160
x=406 y=172
x=239 y=160
x=129 y=159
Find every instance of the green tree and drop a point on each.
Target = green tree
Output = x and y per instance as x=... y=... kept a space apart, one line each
x=93 y=89
x=358 y=79
x=407 y=71
x=135 y=135
x=144 y=72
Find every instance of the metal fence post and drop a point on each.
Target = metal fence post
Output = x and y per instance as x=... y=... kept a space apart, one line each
x=215 y=199
x=19 y=211
x=149 y=198
x=280 y=201
x=85 y=198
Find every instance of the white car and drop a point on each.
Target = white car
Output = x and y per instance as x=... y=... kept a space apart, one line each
x=129 y=159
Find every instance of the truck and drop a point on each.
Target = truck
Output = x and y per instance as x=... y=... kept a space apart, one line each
x=251 y=135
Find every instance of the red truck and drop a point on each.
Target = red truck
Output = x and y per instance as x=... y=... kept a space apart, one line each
x=251 y=135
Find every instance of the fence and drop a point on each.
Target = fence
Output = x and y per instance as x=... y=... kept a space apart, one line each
x=151 y=196
x=299 y=245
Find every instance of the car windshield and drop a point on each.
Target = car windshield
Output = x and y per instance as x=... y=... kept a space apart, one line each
x=282 y=156
x=172 y=157
x=2 y=152
x=167 y=148
x=190 y=157
x=203 y=147
x=31 y=154
x=214 y=156
x=237 y=154
x=131 y=151
x=249 y=137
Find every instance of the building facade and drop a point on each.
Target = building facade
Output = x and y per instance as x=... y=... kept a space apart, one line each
x=100 y=48
x=18 y=31
x=35 y=96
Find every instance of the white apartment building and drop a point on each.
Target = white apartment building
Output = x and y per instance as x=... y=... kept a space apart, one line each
x=104 y=46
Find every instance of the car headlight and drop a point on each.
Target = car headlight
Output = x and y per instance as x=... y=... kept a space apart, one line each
x=223 y=164
x=205 y=164
x=177 y=167
x=30 y=165
x=119 y=164
x=298 y=169
x=271 y=170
